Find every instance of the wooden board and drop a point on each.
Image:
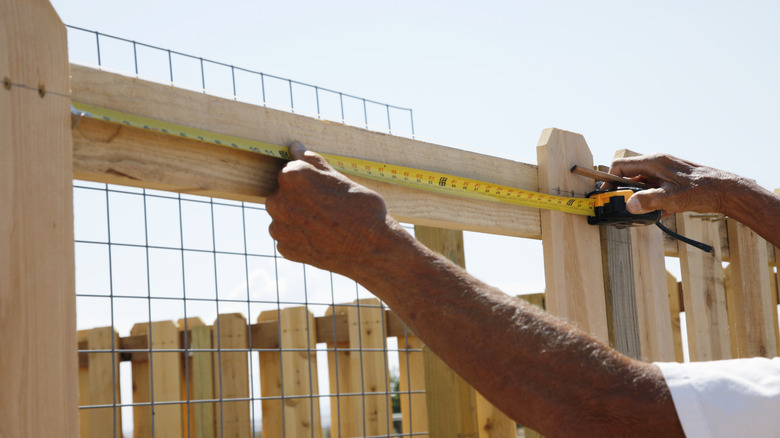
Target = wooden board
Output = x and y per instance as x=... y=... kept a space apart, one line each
x=271 y=383
x=198 y=380
x=414 y=412
x=231 y=376
x=104 y=383
x=621 y=291
x=85 y=423
x=343 y=408
x=674 y=289
x=39 y=374
x=572 y=262
x=652 y=299
x=369 y=365
x=637 y=296
x=299 y=376
x=754 y=315
x=158 y=377
x=704 y=291
x=198 y=110
x=108 y=153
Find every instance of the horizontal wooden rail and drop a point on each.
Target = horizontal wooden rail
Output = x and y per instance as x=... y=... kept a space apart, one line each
x=265 y=335
x=107 y=152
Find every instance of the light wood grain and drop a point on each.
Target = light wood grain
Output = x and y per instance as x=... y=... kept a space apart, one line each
x=704 y=292
x=572 y=261
x=675 y=296
x=652 y=300
x=751 y=306
x=159 y=377
x=344 y=409
x=369 y=366
x=251 y=181
x=231 y=376
x=621 y=291
x=38 y=316
x=414 y=412
x=271 y=384
x=198 y=380
x=104 y=383
x=299 y=376
x=85 y=422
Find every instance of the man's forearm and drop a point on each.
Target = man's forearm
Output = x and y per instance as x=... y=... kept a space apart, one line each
x=754 y=206
x=540 y=371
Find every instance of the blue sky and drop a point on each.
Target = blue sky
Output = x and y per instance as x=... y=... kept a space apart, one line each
x=693 y=79
x=696 y=79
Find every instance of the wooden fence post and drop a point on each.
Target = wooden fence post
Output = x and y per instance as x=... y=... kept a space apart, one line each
x=704 y=292
x=751 y=303
x=158 y=375
x=198 y=380
x=572 y=259
x=231 y=376
x=36 y=225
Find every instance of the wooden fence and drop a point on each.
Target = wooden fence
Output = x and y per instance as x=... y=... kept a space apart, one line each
x=611 y=283
x=216 y=375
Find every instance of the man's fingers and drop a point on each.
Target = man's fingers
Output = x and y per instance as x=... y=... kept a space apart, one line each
x=646 y=201
x=300 y=152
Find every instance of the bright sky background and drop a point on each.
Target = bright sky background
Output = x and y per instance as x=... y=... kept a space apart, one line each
x=696 y=79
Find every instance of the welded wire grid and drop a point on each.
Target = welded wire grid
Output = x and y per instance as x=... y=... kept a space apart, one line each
x=145 y=256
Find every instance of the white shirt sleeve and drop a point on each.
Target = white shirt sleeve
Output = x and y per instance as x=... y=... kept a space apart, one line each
x=726 y=398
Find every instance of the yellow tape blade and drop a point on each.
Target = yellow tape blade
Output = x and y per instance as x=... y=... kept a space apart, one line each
x=390 y=173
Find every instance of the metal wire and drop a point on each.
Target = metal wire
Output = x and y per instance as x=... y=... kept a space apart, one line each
x=183 y=251
x=170 y=53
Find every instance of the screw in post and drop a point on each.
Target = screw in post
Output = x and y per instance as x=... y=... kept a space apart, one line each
x=7 y=83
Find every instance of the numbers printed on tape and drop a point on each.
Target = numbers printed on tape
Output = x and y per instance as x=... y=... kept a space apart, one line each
x=406 y=176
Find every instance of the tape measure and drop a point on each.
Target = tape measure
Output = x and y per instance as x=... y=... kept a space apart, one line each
x=405 y=176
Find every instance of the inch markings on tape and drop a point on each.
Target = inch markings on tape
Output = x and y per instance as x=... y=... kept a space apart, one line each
x=405 y=176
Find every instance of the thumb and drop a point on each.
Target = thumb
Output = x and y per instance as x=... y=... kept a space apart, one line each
x=299 y=152
x=646 y=201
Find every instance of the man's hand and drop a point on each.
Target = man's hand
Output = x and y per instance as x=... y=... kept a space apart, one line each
x=678 y=185
x=322 y=218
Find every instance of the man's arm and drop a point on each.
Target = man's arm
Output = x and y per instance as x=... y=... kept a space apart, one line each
x=681 y=185
x=541 y=371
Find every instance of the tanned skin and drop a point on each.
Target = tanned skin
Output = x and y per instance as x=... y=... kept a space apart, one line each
x=681 y=185
x=538 y=369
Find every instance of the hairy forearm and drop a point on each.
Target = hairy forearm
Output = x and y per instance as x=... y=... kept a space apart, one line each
x=538 y=369
x=754 y=206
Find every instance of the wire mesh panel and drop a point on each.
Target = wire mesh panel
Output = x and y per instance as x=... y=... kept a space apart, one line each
x=191 y=324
